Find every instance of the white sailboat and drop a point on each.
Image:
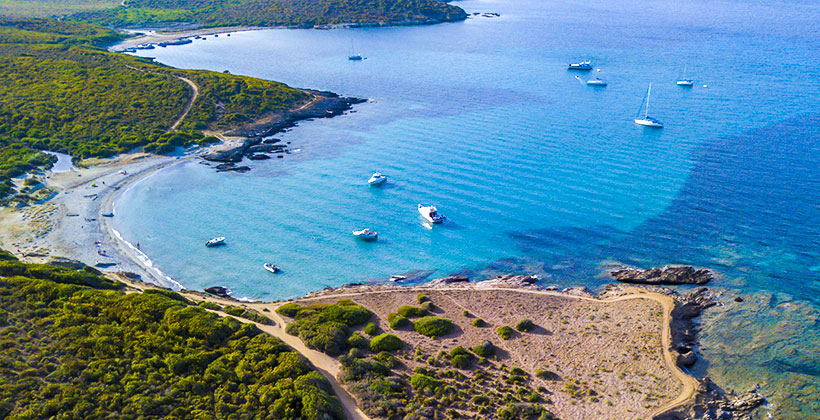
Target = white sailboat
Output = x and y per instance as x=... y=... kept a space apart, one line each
x=684 y=81
x=646 y=120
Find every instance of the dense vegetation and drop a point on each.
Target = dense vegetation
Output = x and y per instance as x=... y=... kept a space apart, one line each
x=58 y=92
x=292 y=13
x=433 y=326
x=325 y=327
x=92 y=352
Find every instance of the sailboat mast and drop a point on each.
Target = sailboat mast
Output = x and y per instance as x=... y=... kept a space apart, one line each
x=648 y=93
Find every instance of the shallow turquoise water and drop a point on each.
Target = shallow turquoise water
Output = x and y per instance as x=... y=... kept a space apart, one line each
x=536 y=171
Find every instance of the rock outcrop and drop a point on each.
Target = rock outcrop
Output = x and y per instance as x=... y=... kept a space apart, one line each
x=665 y=275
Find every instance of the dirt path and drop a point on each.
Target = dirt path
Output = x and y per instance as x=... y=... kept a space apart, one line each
x=189 y=104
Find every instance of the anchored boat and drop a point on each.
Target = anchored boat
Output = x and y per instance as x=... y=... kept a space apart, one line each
x=366 y=234
x=431 y=214
x=271 y=267
x=216 y=241
x=376 y=179
x=646 y=120
x=584 y=65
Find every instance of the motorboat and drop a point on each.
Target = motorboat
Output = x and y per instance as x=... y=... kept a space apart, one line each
x=271 y=267
x=376 y=179
x=646 y=120
x=431 y=214
x=584 y=65
x=684 y=81
x=366 y=234
x=215 y=242
x=397 y=278
x=355 y=57
x=596 y=82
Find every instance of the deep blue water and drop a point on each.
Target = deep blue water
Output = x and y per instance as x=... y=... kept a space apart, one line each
x=536 y=171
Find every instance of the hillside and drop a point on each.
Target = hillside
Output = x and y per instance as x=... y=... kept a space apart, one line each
x=59 y=92
x=75 y=345
x=213 y=13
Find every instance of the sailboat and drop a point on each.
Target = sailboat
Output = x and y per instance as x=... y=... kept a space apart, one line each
x=684 y=81
x=354 y=56
x=646 y=120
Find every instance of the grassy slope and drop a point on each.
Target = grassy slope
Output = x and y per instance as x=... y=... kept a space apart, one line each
x=58 y=92
x=40 y=8
x=74 y=346
x=296 y=13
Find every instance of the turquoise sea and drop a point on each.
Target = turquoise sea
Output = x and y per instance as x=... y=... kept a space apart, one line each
x=536 y=171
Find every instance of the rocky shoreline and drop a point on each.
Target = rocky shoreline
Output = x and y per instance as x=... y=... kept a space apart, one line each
x=258 y=145
x=671 y=274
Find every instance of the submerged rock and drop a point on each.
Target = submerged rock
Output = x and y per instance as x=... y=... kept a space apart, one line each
x=666 y=275
x=218 y=291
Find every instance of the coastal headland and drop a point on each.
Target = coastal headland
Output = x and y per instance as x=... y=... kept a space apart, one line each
x=622 y=354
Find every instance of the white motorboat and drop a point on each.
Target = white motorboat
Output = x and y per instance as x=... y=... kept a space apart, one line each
x=377 y=179
x=430 y=213
x=646 y=120
x=397 y=278
x=366 y=234
x=584 y=65
x=684 y=81
x=216 y=241
x=271 y=267
x=596 y=82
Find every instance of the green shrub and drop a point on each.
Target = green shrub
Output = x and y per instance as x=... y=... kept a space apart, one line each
x=169 y=294
x=210 y=305
x=247 y=314
x=461 y=361
x=517 y=371
x=547 y=375
x=385 y=342
x=371 y=329
x=388 y=359
x=478 y=322
x=505 y=332
x=525 y=325
x=421 y=298
x=325 y=327
x=485 y=349
x=433 y=326
x=422 y=383
x=397 y=321
x=358 y=341
x=411 y=311
x=466 y=314
x=428 y=306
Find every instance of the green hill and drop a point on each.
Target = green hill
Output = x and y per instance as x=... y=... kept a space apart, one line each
x=73 y=346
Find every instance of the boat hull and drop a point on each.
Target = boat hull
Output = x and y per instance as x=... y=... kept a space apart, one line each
x=685 y=83
x=378 y=181
x=648 y=123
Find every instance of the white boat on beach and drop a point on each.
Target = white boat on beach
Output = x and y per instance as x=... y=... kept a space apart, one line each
x=377 y=179
x=646 y=120
x=271 y=267
x=366 y=234
x=431 y=214
x=216 y=241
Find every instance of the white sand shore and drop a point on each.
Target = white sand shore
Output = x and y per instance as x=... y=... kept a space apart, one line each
x=155 y=37
x=72 y=224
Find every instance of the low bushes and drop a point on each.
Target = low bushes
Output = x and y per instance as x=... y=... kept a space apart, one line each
x=244 y=313
x=505 y=332
x=485 y=349
x=460 y=357
x=411 y=311
x=358 y=341
x=385 y=342
x=397 y=321
x=424 y=383
x=433 y=326
x=478 y=322
x=325 y=327
x=371 y=329
x=525 y=325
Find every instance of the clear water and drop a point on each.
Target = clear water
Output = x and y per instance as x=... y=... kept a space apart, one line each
x=536 y=171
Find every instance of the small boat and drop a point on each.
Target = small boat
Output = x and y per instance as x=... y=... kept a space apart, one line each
x=584 y=65
x=596 y=82
x=271 y=267
x=107 y=214
x=646 y=120
x=376 y=179
x=366 y=234
x=356 y=57
x=684 y=81
x=430 y=213
x=216 y=241
x=397 y=278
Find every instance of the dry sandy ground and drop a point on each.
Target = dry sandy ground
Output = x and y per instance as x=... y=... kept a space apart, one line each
x=613 y=345
x=154 y=37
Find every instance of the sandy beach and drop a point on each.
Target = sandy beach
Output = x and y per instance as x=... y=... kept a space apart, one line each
x=155 y=37
x=71 y=224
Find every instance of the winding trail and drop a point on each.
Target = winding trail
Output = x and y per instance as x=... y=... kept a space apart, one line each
x=190 y=102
